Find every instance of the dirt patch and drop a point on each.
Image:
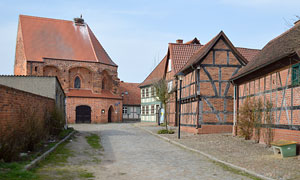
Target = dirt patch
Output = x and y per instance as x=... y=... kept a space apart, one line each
x=75 y=159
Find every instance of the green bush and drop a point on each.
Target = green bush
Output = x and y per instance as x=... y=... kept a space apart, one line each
x=165 y=131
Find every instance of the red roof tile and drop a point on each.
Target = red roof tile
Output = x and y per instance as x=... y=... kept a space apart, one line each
x=133 y=95
x=60 y=39
x=156 y=74
x=89 y=94
x=181 y=53
x=249 y=54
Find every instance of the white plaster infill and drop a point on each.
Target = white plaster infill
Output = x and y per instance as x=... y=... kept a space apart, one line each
x=45 y=154
x=207 y=155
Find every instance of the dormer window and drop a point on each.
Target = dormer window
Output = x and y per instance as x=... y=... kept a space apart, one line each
x=169 y=65
x=77 y=82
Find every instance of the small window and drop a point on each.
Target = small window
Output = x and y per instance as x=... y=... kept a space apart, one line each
x=143 y=110
x=169 y=65
x=35 y=68
x=152 y=92
x=103 y=83
x=147 y=109
x=143 y=93
x=124 y=109
x=147 y=92
x=296 y=74
x=152 y=109
x=77 y=82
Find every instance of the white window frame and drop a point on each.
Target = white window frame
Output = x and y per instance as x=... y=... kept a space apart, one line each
x=170 y=65
x=170 y=86
x=124 y=109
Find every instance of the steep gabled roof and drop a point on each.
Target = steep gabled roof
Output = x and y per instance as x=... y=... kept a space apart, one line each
x=133 y=95
x=193 y=41
x=156 y=75
x=60 y=39
x=204 y=50
x=181 y=53
x=286 y=44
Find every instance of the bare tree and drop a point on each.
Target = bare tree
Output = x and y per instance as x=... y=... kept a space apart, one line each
x=163 y=96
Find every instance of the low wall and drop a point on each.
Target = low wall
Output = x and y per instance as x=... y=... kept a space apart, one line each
x=17 y=105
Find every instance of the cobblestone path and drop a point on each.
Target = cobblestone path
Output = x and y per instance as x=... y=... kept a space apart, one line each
x=131 y=153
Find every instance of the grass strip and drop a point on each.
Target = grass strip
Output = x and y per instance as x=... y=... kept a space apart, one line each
x=235 y=171
x=94 y=141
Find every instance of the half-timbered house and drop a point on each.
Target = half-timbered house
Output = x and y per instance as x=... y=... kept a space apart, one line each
x=274 y=75
x=178 y=54
x=131 y=97
x=207 y=94
x=150 y=105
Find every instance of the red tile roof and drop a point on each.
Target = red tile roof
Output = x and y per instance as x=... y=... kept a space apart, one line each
x=201 y=53
x=60 y=39
x=156 y=74
x=89 y=94
x=181 y=53
x=249 y=54
x=133 y=95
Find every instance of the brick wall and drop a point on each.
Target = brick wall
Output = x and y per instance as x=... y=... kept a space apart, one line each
x=277 y=88
x=14 y=103
x=96 y=105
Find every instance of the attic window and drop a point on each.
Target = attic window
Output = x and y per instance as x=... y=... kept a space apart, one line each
x=169 y=65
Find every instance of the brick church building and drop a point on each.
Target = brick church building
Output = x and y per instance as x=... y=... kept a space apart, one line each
x=70 y=51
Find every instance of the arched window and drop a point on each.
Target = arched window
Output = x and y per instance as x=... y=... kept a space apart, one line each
x=103 y=83
x=77 y=82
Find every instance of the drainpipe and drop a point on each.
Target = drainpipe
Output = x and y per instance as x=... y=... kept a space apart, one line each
x=234 y=111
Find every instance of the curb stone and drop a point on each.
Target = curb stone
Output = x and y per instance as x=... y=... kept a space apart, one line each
x=45 y=154
x=207 y=155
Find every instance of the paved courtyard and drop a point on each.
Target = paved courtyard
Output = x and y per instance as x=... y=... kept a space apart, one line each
x=131 y=153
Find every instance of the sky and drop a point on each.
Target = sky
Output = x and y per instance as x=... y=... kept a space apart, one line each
x=136 y=33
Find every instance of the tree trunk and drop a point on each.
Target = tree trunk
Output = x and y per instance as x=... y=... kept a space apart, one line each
x=165 y=115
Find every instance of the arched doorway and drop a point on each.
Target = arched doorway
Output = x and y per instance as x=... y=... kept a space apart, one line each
x=83 y=114
x=110 y=111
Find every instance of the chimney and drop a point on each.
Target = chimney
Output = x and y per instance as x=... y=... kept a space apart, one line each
x=179 y=41
x=297 y=22
x=79 y=21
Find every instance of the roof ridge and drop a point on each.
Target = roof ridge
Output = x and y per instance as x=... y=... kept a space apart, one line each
x=91 y=42
x=249 y=48
x=186 y=44
x=43 y=18
x=285 y=32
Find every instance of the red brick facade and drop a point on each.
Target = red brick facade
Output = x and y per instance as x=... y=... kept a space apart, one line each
x=51 y=47
x=15 y=102
x=277 y=88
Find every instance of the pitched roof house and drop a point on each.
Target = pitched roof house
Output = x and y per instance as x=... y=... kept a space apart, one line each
x=70 y=51
x=274 y=76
